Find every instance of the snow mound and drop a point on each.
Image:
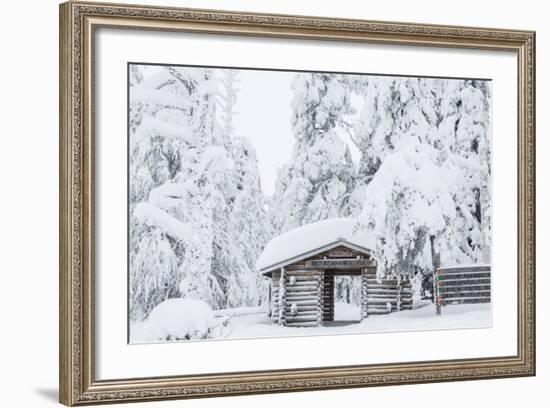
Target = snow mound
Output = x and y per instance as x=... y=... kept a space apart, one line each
x=291 y=245
x=180 y=319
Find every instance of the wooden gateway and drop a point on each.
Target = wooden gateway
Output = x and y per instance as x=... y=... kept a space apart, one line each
x=301 y=265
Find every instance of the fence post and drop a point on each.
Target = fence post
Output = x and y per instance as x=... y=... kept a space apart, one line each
x=435 y=266
x=399 y=289
x=437 y=300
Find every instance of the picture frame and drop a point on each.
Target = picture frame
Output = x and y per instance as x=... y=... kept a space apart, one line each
x=80 y=23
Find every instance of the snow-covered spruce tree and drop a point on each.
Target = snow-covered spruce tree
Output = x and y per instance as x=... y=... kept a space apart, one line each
x=250 y=223
x=203 y=165
x=195 y=194
x=316 y=183
x=171 y=173
x=159 y=129
x=425 y=145
x=466 y=116
x=247 y=227
x=212 y=263
x=227 y=98
x=394 y=110
x=409 y=199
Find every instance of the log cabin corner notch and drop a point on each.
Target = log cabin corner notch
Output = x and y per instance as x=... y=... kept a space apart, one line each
x=301 y=265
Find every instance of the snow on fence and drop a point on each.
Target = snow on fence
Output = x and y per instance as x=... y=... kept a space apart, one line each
x=462 y=285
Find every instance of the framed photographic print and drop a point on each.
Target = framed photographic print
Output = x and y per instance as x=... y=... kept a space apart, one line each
x=260 y=203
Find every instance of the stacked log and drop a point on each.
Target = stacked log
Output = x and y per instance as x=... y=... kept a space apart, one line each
x=383 y=296
x=303 y=301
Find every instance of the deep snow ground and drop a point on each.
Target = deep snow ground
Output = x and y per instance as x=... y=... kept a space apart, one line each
x=421 y=318
x=254 y=323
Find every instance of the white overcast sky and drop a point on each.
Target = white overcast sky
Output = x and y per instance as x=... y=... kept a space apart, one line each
x=263 y=115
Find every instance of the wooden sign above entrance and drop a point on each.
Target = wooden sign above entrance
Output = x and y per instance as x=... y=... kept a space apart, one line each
x=340 y=263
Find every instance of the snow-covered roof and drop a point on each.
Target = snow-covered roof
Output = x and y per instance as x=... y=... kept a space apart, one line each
x=310 y=239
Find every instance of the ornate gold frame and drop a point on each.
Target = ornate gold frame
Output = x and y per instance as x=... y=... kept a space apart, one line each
x=78 y=22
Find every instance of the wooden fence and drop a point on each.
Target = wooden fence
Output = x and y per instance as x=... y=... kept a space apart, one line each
x=462 y=285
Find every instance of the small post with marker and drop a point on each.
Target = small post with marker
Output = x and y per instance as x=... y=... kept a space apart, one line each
x=435 y=264
x=437 y=299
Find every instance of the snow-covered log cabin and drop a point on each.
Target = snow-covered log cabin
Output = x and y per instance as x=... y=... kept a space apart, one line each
x=301 y=265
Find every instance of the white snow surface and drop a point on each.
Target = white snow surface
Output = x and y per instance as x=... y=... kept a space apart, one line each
x=421 y=318
x=345 y=312
x=248 y=323
x=301 y=240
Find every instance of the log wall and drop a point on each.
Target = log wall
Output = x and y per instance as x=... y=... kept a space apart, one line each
x=383 y=296
x=297 y=297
